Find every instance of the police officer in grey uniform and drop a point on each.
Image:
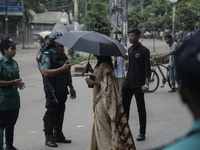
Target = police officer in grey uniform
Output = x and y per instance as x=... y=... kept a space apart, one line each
x=57 y=69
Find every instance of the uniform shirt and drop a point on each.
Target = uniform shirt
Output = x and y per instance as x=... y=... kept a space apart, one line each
x=139 y=66
x=46 y=59
x=172 y=48
x=47 y=64
x=9 y=95
x=189 y=142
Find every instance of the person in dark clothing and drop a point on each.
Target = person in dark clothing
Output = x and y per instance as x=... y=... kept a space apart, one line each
x=46 y=43
x=137 y=79
x=57 y=69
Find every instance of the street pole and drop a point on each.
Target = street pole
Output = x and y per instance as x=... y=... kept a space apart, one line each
x=173 y=21
x=125 y=27
x=76 y=15
x=173 y=17
x=23 y=24
x=141 y=3
x=6 y=17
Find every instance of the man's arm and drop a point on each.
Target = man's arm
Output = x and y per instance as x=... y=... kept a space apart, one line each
x=170 y=53
x=125 y=57
x=53 y=72
x=145 y=87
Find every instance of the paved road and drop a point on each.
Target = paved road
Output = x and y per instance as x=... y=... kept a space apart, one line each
x=167 y=118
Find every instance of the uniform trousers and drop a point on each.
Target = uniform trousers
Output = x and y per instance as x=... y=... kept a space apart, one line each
x=139 y=96
x=54 y=117
x=8 y=119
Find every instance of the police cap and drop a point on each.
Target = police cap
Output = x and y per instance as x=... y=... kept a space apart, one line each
x=7 y=41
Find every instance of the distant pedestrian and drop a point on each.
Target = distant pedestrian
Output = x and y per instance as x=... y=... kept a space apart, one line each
x=161 y=35
x=173 y=47
x=10 y=81
x=46 y=43
x=110 y=127
x=187 y=67
x=119 y=69
x=137 y=79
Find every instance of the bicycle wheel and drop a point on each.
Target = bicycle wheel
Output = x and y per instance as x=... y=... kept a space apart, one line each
x=154 y=81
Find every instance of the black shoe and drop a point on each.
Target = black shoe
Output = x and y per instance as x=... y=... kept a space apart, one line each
x=10 y=147
x=50 y=141
x=141 y=137
x=60 y=138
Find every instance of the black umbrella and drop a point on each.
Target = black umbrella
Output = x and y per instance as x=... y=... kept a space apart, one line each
x=92 y=42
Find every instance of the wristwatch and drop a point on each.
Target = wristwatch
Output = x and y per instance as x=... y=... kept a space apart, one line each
x=146 y=86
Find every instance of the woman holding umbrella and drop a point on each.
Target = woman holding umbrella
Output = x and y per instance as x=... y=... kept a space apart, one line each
x=110 y=126
x=9 y=95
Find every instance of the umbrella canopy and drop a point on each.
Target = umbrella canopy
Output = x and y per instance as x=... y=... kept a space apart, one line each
x=92 y=42
x=44 y=33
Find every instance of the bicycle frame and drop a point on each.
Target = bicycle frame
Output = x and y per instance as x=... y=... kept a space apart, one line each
x=158 y=66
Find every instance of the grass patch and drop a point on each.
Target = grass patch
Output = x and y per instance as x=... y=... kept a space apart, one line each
x=79 y=59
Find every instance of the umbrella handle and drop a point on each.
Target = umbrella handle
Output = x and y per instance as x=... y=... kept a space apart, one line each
x=86 y=70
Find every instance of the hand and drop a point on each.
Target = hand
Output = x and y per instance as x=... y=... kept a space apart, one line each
x=144 y=89
x=21 y=86
x=89 y=68
x=18 y=83
x=89 y=81
x=72 y=93
x=66 y=66
x=160 y=56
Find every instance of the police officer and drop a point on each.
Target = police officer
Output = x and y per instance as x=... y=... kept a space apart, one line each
x=9 y=99
x=57 y=69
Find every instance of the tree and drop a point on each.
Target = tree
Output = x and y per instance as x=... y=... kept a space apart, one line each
x=188 y=15
x=161 y=9
x=134 y=18
x=96 y=18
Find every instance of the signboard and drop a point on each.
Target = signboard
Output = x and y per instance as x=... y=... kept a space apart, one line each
x=14 y=8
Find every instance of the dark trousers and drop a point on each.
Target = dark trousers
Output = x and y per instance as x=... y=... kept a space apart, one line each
x=53 y=118
x=8 y=119
x=139 y=96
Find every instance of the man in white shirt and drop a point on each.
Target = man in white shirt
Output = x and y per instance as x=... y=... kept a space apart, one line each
x=173 y=47
x=119 y=69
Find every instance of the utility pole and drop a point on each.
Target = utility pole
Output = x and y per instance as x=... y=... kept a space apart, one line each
x=6 y=17
x=23 y=24
x=141 y=4
x=76 y=15
x=110 y=9
x=125 y=25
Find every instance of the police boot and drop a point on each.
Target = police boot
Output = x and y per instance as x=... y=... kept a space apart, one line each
x=10 y=147
x=48 y=129
x=50 y=141
x=60 y=138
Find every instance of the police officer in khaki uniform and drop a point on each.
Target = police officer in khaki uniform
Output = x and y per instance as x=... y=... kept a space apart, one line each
x=10 y=81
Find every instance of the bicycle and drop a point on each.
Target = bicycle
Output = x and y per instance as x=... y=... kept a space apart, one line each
x=154 y=79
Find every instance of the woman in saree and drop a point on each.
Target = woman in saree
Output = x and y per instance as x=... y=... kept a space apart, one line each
x=110 y=127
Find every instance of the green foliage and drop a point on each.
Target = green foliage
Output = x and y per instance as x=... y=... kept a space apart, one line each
x=161 y=11
x=188 y=15
x=78 y=60
x=96 y=17
x=71 y=53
